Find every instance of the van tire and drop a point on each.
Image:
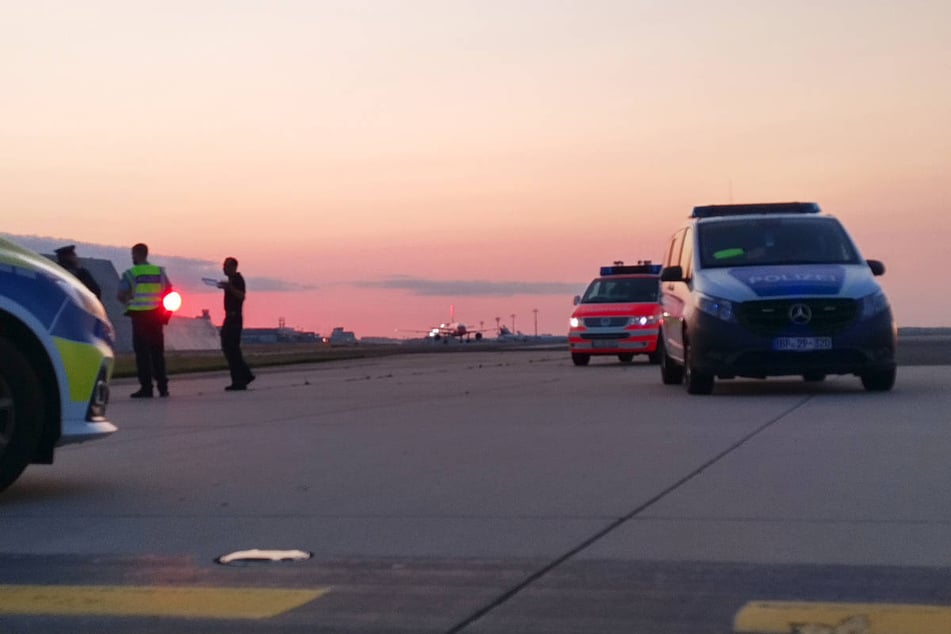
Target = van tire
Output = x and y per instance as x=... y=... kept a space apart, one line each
x=21 y=413
x=580 y=359
x=627 y=357
x=879 y=381
x=695 y=382
x=670 y=372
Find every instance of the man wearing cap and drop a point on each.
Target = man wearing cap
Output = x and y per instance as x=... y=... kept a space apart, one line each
x=66 y=257
x=141 y=289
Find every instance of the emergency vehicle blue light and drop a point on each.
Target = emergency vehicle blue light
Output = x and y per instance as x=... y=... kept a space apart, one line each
x=709 y=211
x=628 y=269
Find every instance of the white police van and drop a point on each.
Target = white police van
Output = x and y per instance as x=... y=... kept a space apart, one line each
x=772 y=289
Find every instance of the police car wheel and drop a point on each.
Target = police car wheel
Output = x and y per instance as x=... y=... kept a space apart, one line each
x=580 y=359
x=670 y=372
x=21 y=413
x=880 y=381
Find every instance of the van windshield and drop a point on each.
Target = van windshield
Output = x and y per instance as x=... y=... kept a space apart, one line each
x=606 y=290
x=766 y=241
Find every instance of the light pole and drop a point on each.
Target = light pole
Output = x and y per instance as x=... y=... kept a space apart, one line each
x=498 y=325
x=535 y=311
x=513 y=323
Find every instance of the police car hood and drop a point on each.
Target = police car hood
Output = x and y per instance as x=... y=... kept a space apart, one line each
x=745 y=283
x=16 y=255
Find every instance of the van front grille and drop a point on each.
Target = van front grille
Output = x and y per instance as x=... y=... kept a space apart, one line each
x=809 y=316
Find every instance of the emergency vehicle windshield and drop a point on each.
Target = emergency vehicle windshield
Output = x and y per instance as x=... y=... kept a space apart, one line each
x=768 y=241
x=621 y=291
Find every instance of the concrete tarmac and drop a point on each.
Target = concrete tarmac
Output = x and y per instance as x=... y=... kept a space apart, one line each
x=493 y=491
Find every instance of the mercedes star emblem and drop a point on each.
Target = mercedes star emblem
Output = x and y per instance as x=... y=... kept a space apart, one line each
x=800 y=314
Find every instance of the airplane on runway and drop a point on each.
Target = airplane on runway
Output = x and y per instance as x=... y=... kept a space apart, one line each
x=452 y=329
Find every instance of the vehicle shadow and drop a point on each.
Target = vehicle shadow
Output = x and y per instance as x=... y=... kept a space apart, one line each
x=28 y=490
x=787 y=385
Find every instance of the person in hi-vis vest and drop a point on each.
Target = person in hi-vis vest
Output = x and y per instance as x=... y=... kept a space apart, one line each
x=141 y=289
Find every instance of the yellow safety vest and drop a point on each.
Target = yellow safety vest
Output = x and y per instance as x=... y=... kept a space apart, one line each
x=145 y=280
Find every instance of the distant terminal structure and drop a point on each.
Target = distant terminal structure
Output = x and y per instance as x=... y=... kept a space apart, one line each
x=281 y=334
x=341 y=337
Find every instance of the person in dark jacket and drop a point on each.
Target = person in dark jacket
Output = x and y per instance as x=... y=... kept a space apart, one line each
x=234 y=289
x=66 y=257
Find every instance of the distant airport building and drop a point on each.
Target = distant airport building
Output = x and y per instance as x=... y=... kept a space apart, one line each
x=341 y=337
x=280 y=334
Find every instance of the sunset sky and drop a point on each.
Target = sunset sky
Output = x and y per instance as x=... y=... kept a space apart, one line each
x=371 y=163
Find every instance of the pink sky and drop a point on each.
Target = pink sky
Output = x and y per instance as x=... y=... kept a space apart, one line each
x=337 y=147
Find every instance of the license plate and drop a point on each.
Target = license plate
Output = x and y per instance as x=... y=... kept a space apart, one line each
x=802 y=343
x=604 y=343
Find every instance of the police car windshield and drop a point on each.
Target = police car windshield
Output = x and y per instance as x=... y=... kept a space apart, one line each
x=607 y=290
x=768 y=241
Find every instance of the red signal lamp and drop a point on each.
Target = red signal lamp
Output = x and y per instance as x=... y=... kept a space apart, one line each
x=172 y=301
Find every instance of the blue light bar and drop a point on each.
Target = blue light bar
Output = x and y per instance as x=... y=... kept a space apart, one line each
x=710 y=211
x=628 y=269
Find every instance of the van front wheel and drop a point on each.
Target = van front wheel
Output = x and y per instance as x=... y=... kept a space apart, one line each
x=880 y=381
x=670 y=372
x=695 y=382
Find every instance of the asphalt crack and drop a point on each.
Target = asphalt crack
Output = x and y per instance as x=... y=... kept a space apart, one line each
x=541 y=572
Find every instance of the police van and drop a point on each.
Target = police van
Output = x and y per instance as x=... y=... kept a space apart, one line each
x=772 y=289
x=618 y=314
x=56 y=360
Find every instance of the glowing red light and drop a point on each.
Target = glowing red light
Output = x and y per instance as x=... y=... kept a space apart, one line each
x=172 y=302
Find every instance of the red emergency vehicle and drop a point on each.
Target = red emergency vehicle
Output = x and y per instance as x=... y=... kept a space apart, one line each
x=619 y=314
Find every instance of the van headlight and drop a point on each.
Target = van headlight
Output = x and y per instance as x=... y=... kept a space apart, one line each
x=872 y=305
x=716 y=307
x=574 y=322
x=644 y=320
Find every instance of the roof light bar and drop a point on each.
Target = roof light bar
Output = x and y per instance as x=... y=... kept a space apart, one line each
x=619 y=268
x=710 y=211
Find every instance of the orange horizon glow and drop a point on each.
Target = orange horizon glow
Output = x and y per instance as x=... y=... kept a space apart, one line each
x=329 y=145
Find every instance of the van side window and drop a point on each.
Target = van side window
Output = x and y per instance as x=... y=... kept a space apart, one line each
x=673 y=255
x=686 y=254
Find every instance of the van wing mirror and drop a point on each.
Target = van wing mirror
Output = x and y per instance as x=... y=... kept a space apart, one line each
x=672 y=274
x=577 y=300
x=877 y=267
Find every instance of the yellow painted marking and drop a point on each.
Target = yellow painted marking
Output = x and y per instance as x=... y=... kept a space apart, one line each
x=832 y=618
x=199 y=603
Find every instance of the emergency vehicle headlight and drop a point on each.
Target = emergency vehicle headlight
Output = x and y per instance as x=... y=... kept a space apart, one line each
x=872 y=305
x=172 y=302
x=644 y=320
x=716 y=307
x=574 y=322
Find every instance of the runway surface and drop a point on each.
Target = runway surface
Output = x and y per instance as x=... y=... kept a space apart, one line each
x=494 y=491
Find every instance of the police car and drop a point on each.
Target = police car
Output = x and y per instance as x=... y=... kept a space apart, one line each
x=618 y=314
x=772 y=289
x=56 y=359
